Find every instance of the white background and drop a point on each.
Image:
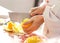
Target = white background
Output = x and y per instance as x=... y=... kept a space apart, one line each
x=17 y=5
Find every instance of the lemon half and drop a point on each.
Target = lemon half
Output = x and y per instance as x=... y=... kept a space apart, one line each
x=33 y=39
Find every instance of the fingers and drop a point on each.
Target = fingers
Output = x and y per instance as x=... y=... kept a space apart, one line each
x=32 y=11
x=36 y=11
x=35 y=25
x=32 y=28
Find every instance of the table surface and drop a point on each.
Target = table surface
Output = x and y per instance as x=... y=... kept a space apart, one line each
x=5 y=38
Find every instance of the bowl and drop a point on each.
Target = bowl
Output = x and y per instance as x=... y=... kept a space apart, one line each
x=18 y=16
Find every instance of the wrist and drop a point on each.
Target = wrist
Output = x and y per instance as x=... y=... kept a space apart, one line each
x=43 y=4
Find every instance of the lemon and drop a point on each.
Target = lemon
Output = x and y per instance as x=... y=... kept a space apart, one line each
x=17 y=28
x=9 y=26
x=26 y=25
x=25 y=20
x=33 y=39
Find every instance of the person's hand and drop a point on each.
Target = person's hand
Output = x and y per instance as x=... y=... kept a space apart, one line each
x=36 y=22
x=36 y=11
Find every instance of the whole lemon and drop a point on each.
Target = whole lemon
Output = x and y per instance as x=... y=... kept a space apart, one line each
x=26 y=25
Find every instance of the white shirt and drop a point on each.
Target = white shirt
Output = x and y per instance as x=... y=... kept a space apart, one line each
x=52 y=18
x=52 y=21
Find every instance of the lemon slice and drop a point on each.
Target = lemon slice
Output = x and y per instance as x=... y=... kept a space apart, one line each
x=9 y=26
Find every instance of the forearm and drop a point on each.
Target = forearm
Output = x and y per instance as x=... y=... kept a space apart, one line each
x=43 y=5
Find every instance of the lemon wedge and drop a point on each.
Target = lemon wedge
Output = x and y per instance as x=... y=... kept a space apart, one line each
x=9 y=26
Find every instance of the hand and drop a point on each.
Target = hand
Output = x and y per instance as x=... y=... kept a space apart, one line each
x=36 y=10
x=36 y=22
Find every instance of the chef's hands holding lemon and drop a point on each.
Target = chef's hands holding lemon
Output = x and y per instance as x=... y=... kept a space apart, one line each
x=33 y=24
x=34 y=21
x=36 y=10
